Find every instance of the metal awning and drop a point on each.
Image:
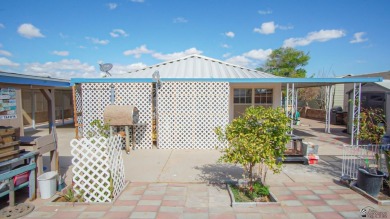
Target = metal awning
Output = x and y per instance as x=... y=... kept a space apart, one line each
x=30 y=80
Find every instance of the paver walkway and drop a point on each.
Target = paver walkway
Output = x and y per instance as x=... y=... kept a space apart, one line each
x=303 y=191
x=166 y=200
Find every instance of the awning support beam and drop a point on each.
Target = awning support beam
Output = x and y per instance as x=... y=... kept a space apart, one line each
x=356 y=98
x=328 y=106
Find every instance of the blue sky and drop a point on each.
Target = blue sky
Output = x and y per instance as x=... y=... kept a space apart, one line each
x=70 y=38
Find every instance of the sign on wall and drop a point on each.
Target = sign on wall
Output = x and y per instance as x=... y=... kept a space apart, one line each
x=7 y=103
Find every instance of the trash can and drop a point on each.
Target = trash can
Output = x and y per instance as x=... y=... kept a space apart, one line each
x=47 y=184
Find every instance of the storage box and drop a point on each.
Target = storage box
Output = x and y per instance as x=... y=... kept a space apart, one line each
x=21 y=178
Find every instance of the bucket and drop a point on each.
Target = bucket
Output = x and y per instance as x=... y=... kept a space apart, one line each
x=47 y=184
x=369 y=182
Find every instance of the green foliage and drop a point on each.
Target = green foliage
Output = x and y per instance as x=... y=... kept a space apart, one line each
x=287 y=62
x=71 y=196
x=248 y=194
x=100 y=128
x=259 y=136
x=372 y=125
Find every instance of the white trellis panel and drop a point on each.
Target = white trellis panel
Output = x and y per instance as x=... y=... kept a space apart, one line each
x=188 y=113
x=96 y=96
x=95 y=161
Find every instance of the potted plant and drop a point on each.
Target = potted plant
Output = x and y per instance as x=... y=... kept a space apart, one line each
x=372 y=129
x=258 y=137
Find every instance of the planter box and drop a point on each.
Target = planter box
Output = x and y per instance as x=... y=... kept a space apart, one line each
x=273 y=202
x=377 y=201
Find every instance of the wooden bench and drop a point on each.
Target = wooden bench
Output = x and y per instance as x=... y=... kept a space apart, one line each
x=7 y=174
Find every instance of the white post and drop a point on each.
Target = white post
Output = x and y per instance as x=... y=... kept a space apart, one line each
x=356 y=113
x=355 y=117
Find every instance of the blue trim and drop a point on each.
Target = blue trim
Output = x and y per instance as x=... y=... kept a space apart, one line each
x=230 y=80
x=31 y=81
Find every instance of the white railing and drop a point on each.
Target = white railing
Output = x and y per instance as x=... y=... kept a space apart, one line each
x=355 y=156
x=98 y=170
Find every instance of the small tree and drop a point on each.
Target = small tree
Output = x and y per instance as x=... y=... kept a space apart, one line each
x=287 y=62
x=259 y=136
x=372 y=129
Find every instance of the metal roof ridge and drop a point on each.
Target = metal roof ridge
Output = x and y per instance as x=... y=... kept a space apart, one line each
x=205 y=58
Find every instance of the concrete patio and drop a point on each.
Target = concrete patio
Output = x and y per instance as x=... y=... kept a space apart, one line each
x=189 y=184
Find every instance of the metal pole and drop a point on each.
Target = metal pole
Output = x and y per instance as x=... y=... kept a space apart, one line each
x=356 y=113
x=287 y=99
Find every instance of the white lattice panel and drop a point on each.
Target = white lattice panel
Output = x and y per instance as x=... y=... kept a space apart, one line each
x=94 y=161
x=117 y=167
x=188 y=113
x=96 y=96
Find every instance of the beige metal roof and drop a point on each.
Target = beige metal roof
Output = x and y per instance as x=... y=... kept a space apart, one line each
x=384 y=83
x=197 y=66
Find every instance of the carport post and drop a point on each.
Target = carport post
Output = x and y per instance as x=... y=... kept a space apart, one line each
x=328 y=106
x=356 y=113
x=291 y=101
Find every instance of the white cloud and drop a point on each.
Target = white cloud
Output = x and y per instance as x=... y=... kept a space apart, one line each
x=137 y=1
x=239 y=60
x=265 y=12
x=358 y=38
x=176 y=55
x=266 y=28
x=226 y=46
x=97 y=41
x=226 y=55
x=7 y=62
x=2 y=26
x=61 y=53
x=180 y=20
x=123 y=70
x=230 y=34
x=118 y=32
x=251 y=59
x=112 y=6
x=319 y=36
x=5 y=53
x=29 y=31
x=137 y=52
x=66 y=68
x=258 y=54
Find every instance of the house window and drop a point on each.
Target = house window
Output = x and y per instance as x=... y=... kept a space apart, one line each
x=263 y=97
x=246 y=97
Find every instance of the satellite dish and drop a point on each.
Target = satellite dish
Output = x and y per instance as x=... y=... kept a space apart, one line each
x=105 y=68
